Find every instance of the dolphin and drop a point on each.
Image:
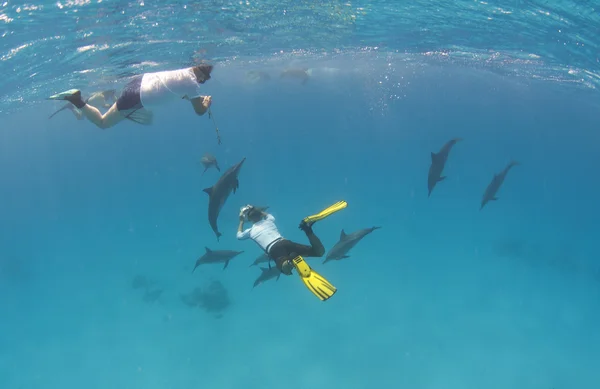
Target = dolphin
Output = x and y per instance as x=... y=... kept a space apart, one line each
x=492 y=188
x=346 y=243
x=208 y=161
x=438 y=161
x=267 y=274
x=216 y=256
x=302 y=74
x=255 y=76
x=260 y=259
x=219 y=192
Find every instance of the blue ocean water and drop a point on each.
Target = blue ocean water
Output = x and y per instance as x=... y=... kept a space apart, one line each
x=444 y=295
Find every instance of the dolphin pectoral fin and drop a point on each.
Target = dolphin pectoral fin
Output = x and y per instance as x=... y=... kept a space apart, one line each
x=494 y=198
x=442 y=178
x=203 y=174
x=226 y=264
x=345 y=257
x=208 y=190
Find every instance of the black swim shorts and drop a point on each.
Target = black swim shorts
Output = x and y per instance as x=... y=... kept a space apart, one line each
x=130 y=96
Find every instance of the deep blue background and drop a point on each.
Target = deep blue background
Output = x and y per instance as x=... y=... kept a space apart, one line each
x=427 y=301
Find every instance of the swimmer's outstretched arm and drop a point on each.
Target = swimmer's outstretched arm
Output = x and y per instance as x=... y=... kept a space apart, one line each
x=200 y=103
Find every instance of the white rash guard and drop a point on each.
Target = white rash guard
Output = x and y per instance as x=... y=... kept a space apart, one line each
x=161 y=87
x=263 y=232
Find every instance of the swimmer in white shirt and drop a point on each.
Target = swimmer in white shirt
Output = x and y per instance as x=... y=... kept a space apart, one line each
x=145 y=92
x=265 y=233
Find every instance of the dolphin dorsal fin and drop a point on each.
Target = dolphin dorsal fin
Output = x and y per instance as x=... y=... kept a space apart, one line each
x=342 y=234
x=208 y=190
x=208 y=250
x=433 y=156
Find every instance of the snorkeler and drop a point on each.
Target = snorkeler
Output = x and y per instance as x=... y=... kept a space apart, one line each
x=144 y=92
x=97 y=99
x=287 y=254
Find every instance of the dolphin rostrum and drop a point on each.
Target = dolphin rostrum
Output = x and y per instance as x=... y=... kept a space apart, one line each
x=492 y=188
x=216 y=256
x=346 y=243
x=260 y=259
x=266 y=274
x=219 y=192
x=208 y=161
x=438 y=161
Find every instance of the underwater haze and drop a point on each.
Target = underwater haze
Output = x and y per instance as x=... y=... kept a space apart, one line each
x=461 y=287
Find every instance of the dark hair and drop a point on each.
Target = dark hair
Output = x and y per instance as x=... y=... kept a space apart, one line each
x=202 y=73
x=254 y=214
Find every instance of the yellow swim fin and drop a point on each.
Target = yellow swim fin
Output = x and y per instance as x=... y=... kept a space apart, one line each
x=318 y=285
x=326 y=212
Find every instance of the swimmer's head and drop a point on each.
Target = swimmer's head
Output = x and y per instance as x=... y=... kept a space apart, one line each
x=202 y=73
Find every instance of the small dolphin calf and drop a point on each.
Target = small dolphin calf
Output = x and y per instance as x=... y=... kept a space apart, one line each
x=346 y=242
x=208 y=161
x=266 y=274
x=492 y=188
x=263 y=258
x=219 y=192
x=438 y=161
x=217 y=256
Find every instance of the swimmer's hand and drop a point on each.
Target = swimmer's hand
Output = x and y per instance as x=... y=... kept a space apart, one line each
x=201 y=104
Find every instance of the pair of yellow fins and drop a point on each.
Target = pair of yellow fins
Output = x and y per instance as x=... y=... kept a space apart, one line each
x=318 y=285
